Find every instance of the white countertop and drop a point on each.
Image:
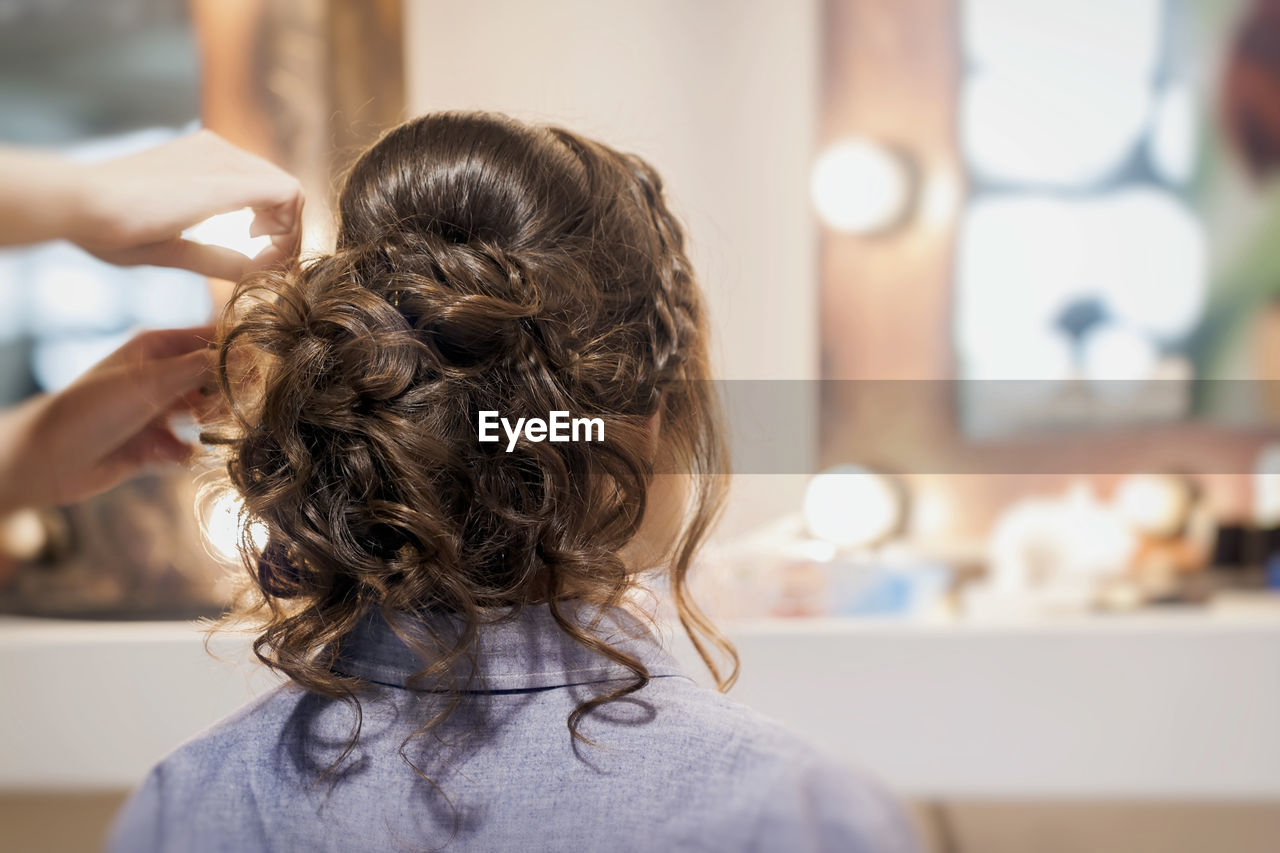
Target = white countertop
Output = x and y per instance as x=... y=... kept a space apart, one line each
x=1161 y=704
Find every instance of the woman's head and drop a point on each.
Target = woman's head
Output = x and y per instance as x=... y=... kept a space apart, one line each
x=481 y=265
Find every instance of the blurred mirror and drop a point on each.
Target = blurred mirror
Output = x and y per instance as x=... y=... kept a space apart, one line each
x=1114 y=254
x=94 y=81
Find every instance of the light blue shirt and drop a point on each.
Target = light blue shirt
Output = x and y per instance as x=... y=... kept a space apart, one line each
x=675 y=766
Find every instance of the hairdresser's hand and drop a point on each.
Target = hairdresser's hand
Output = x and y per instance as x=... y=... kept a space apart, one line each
x=133 y=210
x=138 y=206
x=59 y=448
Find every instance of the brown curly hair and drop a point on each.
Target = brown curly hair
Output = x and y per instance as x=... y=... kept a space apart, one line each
x=481 y=264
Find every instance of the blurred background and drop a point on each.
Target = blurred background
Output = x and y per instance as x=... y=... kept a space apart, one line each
x=995 y=287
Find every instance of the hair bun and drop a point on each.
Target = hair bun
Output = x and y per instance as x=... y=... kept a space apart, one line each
x=474 y=305
x=481 y=264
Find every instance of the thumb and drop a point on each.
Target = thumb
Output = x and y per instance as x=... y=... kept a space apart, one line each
x=123 y=400
x=154 y=445
x=180 y=253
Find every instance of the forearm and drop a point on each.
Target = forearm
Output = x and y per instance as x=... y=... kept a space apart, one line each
x=41 y=197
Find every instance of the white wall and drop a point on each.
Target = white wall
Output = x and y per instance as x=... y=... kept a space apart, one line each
x=721 y=96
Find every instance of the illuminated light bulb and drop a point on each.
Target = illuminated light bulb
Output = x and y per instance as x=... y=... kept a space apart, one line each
x=230 y=231
x=223 y=524
x=23 y=535
x=1157 y=505
x=850 y=506
x=931 y=513
x=861 y=186
x=1062 y=542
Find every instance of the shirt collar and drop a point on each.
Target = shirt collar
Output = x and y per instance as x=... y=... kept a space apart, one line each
x=521 y=650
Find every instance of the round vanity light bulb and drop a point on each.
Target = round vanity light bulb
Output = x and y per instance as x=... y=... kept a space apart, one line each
x=23 y=535
x=860 y=186
x=850 y=506
x=1155 y=504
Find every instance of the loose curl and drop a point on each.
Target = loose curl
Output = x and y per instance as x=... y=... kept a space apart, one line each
x=481 y=264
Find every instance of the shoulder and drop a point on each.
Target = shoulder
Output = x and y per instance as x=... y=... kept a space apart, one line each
x=789 y=792
x=240 y=738
x=215 y=769
x=713 y=720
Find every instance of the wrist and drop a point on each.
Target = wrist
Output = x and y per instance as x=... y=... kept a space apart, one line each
x=43 y=199
x=81 y=220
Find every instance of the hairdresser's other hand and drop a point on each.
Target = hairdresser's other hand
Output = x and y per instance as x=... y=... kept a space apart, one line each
x=135 y=208
x=110 y=423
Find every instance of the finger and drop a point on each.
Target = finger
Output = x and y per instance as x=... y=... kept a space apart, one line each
x=284 y=226
x=163 y=381
x=265 y=188
x=194 y=402
x=203 y=404
x=289 y=243
x=272 y=256
x=247 y=179
x=122 y=400
x=199 y=400
x=281 y=219
x=203 y=258
x=265 y=224
x=168 y=343
x=154 y=445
